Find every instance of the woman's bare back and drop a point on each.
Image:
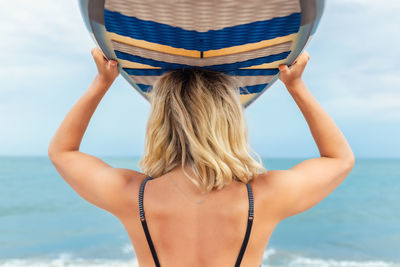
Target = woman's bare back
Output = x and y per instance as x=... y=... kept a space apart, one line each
x=185 y=233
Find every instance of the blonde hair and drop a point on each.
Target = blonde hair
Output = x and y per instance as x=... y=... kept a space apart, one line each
x=196 y=118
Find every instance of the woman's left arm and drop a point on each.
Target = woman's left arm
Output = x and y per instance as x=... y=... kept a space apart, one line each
x=92 y=178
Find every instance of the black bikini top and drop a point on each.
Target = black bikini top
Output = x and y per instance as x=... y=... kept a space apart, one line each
x=150 y=242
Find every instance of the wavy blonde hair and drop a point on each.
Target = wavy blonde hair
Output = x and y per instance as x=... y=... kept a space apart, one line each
x=197 y=118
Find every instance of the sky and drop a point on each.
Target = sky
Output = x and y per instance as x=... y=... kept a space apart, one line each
x=353 y=72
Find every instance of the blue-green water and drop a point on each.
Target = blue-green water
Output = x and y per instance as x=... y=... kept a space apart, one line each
x=43 y=222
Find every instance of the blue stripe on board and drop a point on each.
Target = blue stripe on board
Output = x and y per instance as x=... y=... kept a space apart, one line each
x=251 y=89
x=145 y=72
x=237 y=72
x=220 y=67
x=253 y=72
x=165 y=34
x=144 y=87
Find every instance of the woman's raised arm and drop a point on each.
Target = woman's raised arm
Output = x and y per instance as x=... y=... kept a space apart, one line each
x=307 y=183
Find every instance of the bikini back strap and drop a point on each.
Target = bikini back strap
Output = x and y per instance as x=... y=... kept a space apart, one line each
x=249 y=225
x=144 y=223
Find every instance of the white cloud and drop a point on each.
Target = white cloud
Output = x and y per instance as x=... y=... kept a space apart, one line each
x=41 y=23
x=371 y=4
x=376 y=106
x=355 y=69
x=43 y=38
x=363 y=91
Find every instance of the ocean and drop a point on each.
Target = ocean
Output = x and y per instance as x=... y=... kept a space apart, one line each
x=43 y=222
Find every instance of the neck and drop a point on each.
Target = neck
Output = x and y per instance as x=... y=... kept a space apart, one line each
x=180 y=178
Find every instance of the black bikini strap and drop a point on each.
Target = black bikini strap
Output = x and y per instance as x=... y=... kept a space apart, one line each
x=249 y=225
x=144 y=223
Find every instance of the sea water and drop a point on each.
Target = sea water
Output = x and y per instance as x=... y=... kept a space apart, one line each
x=43 y=222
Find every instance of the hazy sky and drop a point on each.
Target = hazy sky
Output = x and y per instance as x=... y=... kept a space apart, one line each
x=354 y=72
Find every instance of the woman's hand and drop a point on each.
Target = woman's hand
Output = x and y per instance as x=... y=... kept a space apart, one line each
x=107 y=69
x=292 y=75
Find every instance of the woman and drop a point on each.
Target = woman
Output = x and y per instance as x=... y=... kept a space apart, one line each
x=209 y=202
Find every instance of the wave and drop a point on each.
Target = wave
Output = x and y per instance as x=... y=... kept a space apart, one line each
x=275 y=258
x=307 y=262
x=272 y=258
x=67 y=260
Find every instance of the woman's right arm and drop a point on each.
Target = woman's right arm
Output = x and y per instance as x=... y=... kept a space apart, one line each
x=307 y=183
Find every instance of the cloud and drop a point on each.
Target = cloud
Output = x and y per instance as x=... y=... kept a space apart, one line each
x=355 y=67
x=376 y=106
x=367 y=89
x=43 y=38
x=35 y=24
x=371 y=4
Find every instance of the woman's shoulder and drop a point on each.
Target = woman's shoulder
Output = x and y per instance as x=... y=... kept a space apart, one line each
x=268 y=193
x=135 y=179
